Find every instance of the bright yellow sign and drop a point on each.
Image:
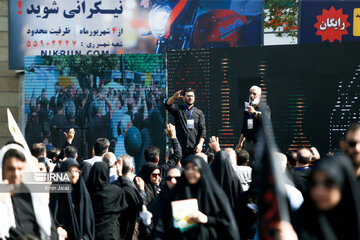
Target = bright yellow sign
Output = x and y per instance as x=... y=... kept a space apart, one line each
x=356 y=27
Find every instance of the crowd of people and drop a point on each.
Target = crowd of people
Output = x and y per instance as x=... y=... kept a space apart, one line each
x=95 y=112
x=218 y=187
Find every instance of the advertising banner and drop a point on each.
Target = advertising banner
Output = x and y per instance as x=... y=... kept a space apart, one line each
x=329 y=21
x=86 y=27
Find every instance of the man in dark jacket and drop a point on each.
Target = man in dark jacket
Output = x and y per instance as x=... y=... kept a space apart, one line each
x=135 y=197
x=254 y=111
x=189 y=122
x=302 y=169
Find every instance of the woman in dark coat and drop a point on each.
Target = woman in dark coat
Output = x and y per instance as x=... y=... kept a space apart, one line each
x=214 y=220
x=331 y=209
x=172 y=176
x=108 y=201
x=73 y=211
x=150 y=173
x=228 y=181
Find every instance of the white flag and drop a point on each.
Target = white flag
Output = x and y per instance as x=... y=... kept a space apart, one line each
x=15 y=131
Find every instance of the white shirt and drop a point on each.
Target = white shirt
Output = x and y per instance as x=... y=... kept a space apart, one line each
x=93 y=160
x=244 y=175
x=51 y=167
x=112 y=175
x=295 y=197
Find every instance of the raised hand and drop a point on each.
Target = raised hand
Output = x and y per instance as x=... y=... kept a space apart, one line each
x=177 y=95
x=140 y=183
x=70 y=135
x=170 y=131
x=214 y=144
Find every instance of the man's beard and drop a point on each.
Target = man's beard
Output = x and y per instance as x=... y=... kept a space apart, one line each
x=255 y=102
x=188 y=103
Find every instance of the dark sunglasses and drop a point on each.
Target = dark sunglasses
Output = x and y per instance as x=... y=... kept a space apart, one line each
x=328 y=183
x=352 y=143
x=169 y=178
x=155 y=174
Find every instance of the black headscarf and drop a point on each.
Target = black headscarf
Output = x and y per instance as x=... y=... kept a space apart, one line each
x=159 y=200
x=212 y=202
x=151 y=189
x=341 y=222
x=73 y=211
x=228 y=181
x=108 y=201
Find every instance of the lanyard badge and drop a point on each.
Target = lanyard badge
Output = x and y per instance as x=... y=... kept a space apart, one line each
x=190 y=123
x=250 y=123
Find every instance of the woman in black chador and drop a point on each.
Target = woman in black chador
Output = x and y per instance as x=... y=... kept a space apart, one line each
x=108 y=201
x=73 y=211
x=150 y=173
x=331 y=209
x=228 y=181
x=214 y=220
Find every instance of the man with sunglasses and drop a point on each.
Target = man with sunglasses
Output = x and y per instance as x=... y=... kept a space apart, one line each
x=350 y=145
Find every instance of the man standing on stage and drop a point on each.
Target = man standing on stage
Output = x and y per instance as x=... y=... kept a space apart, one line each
x=251 y=121
x=189 y=122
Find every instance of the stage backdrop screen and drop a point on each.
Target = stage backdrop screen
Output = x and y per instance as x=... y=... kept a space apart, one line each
x=87 y=27
x=312 y=90
x=118 y=97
